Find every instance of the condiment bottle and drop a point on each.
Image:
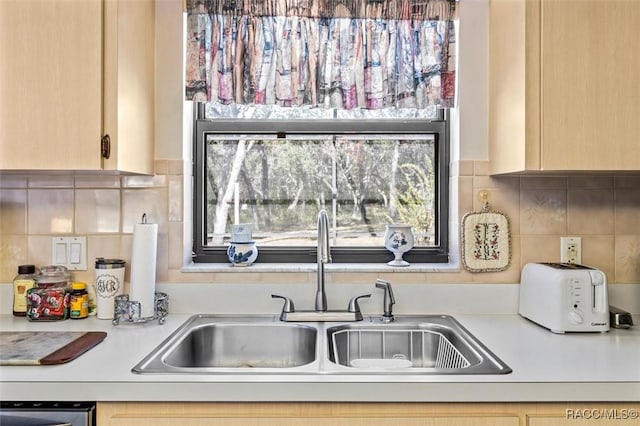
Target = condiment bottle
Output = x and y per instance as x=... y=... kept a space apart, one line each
x=25 y=280
x=79 y=301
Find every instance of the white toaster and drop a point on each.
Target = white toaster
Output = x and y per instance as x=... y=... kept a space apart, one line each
x=564 y=297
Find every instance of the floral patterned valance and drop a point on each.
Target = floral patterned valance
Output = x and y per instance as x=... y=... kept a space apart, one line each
x=370 y=54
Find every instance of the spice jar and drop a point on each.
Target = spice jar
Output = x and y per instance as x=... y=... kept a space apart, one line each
x=25 y=280
x=78 y=301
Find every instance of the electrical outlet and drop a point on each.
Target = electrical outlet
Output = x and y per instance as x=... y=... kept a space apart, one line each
x=571 y=250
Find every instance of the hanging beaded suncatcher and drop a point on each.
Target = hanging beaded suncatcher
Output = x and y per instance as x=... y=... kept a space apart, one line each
x=486 y=241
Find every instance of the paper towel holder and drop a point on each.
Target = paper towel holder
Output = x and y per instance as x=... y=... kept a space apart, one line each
x=129 y=311
x=140 y=305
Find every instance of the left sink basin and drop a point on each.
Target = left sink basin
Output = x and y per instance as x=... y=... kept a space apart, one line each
x=219 y=344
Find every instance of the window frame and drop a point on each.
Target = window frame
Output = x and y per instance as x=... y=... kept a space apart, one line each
x=439 y=127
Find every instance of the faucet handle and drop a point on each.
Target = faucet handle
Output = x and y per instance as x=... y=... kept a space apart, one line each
x=353 y=303
x=288 y=303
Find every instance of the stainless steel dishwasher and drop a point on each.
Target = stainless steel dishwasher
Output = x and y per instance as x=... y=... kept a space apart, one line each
x=36 y=413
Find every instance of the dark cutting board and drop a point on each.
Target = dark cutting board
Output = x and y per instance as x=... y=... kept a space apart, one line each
x=45 y=347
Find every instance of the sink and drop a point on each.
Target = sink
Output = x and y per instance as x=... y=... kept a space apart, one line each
x=435 y=344
x=208 y=343
x=226 y=344
x=244 y=346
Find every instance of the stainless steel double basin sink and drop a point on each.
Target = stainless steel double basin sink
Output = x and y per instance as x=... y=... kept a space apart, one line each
x=427 y=344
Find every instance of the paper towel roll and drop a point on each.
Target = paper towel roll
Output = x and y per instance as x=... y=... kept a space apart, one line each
x=143 y=267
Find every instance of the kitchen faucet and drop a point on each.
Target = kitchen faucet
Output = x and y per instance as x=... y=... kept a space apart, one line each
x=321 y=312
x=324 y=256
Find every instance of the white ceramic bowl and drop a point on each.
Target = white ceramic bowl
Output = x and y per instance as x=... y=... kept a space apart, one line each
x=242 y=253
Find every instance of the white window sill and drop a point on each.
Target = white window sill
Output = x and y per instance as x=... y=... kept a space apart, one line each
x=311 y=267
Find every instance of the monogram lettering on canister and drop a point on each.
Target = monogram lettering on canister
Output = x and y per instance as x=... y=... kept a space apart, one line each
x=107 y=285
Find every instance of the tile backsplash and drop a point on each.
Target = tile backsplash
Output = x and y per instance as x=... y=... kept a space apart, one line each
x=602 y=209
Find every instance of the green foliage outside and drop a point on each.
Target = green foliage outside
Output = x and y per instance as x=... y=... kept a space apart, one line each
x=282 y=185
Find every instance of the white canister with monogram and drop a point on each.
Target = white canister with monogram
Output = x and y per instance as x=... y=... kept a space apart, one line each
x=109 y=284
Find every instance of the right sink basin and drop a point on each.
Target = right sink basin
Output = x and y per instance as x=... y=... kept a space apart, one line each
x=434 y=344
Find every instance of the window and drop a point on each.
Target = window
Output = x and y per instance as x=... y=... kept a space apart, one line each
x=336 y=105
x=277 y=171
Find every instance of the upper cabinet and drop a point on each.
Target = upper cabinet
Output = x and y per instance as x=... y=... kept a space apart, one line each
x=564 y=85
x=72 y=73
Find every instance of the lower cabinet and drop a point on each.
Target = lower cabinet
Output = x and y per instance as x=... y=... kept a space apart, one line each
x=365 y=414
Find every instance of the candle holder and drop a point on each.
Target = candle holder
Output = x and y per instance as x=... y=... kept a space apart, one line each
x=129 y=312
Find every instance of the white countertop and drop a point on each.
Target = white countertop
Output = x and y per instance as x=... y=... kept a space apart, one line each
x=546 y=367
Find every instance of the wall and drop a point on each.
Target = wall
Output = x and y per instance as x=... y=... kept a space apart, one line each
x=602 y=209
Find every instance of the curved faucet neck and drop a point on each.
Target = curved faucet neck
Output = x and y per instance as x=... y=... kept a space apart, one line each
x=324 y=256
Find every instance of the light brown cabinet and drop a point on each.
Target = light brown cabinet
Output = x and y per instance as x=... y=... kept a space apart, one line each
x=564 y=85
x=71 y=72
x=308 y=414
x=364 y=414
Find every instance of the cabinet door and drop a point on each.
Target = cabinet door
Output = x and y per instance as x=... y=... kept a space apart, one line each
x=590 y=85
x=129 y=60
x=514 y=86
x=307 y=414
x=50 y=84
x=321 y=421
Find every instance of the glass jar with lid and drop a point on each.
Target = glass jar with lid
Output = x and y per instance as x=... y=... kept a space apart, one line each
x=49 y=299
x=53 y=276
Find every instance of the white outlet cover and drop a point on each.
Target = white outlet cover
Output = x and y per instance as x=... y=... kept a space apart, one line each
x=571 y=250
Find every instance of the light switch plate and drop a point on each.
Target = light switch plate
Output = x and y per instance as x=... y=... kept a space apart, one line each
x=70 y=252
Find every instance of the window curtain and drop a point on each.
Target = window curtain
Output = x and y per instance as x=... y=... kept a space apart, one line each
x=369 y=54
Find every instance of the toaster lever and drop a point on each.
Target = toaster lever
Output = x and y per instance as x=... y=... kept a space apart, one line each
x=599 y=292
